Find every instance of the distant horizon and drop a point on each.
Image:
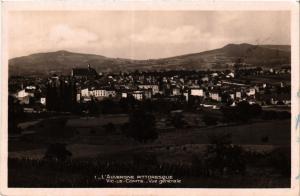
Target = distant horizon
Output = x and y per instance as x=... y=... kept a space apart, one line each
x=142 y=34
x=70 y=51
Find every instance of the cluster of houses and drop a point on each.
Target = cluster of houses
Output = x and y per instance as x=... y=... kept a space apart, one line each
x=212 y=88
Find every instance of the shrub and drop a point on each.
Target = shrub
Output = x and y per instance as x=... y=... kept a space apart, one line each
x=141 y=127
x=222 y=156
x=280 y=159
x=209 y=120
x=57 y=151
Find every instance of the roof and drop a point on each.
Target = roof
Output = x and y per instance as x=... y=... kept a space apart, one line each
x=84 y=72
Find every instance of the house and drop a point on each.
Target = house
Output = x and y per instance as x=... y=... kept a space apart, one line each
x=138 y=95
x=205 y=79
x=99 y=93
x=124 y=95
x=176 y=91
x=43 y=100
x=111 y=93
x=232 y=96
x=30 y=87
x=197 y=92
x=22 y=93
x=238 y=94
x=78 y=97
x=147 y=94
x=214 y=95
x=154 y=87
x=251 y=92
x=230 y=75
x=186 y=95
x=85 y=92
x=214 y=74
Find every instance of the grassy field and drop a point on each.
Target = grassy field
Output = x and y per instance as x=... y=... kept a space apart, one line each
x=192 y=140
x=176 y=149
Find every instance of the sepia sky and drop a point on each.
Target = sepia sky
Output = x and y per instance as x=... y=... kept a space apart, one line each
x=142 y=34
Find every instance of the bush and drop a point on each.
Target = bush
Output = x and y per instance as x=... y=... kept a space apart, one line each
x=243 y=112
x=280 y=159
x=141 y=127
x=209 y=120
x=110 y=128
x=222 y=157
x=57 y=151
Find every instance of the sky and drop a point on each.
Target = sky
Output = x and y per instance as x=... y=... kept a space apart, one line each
x=142 y=34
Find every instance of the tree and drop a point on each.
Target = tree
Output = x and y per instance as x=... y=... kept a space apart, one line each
x=209 y=120
x=280 y=160
x=222 y=156
x=255 y=110
x=93 y=107
x=15 y=113
x=141 y=126
x=226 y=99
x=110 y=128
x=57 y=151
x=243 y=111
x=177 y=120
x=128 y=103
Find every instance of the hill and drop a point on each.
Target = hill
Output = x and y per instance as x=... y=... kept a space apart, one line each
x=222 y=58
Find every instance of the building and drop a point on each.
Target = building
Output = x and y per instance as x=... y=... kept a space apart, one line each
x=176 y=91
x=251 y=92
x=215 y=96
x=99 y=93
x=111 y=93
x=84 y=73
x=238 y=94
x=153 y=87
x=85 y=92
x=147 y=94
x=138 y=95
x=21 y=94
x=197 y=92
x=124 y=95
x=43 y=100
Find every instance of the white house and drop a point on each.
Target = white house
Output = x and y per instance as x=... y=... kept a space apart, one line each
x=238 y=94
x=99 y=93
x=215 y=96
x=154 y=87
x=85 y=92
x=138 y=95
x=230 y=75
x=43 y=100
x=78 y=97
x=111 y=93
x=251 y=91
x=197 y=92
x=176 y=92
x=30 y=87
x=22 y=94
x=186 y=95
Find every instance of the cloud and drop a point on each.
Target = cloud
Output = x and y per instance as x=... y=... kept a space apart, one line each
x=179 y=35
x=62 y=36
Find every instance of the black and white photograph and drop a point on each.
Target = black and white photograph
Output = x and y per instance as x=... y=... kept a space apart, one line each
x=149 y=98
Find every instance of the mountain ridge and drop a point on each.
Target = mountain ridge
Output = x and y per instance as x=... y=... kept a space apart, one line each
x=63 y=61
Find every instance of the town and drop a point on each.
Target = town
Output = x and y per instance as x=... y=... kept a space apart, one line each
x=158 y=122
x=210 y=89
